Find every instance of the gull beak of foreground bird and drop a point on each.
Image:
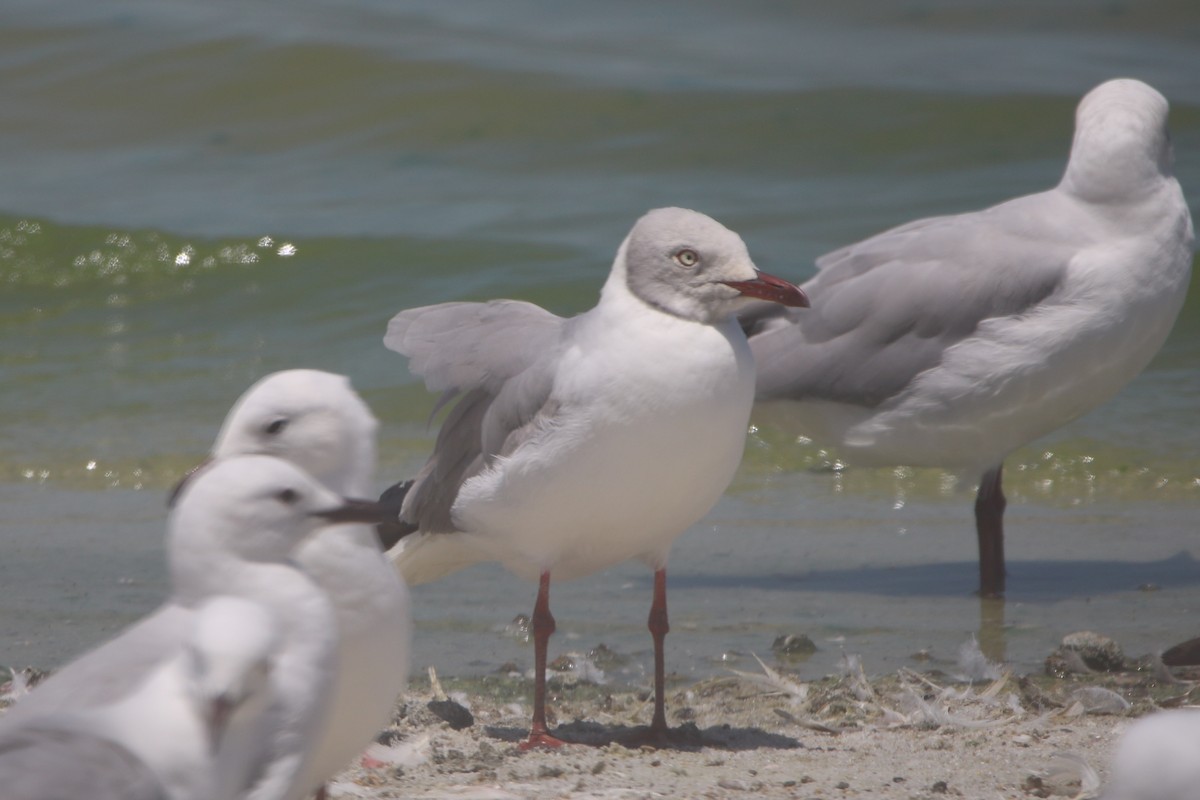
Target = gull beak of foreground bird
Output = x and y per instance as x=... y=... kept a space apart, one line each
x=775 y=290
x=355 y=510
x=218 y=712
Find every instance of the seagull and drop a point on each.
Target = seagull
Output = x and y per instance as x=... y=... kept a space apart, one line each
x=178 y=735
x=577 y=444
x=1158 y=758
x=233 y=531
x=954 y=340
x=316 y=420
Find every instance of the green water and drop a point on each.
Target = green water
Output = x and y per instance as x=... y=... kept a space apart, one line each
x=195 y=194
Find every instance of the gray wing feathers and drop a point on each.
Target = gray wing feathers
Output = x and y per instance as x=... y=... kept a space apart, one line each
x=513 y=414
x=886 y=309
x=456 y=456
x=40 y=762
x=109 y=671
x=490 y=356
x=461 y=346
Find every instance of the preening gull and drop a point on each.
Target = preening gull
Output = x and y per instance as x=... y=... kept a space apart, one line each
x=178 y=735
x=316 y=420
x=233 y=531
x=952 y=341
x=576 y=444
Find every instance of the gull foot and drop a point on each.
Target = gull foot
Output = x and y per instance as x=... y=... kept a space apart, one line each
x=542 y=739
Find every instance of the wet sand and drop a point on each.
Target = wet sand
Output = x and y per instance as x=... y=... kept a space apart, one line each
x=768 y=733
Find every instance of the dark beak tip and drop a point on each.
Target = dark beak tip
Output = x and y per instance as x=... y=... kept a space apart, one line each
x=772 y=289
x=356 y=510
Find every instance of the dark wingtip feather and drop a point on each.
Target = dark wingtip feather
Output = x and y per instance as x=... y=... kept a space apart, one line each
x=394 y=529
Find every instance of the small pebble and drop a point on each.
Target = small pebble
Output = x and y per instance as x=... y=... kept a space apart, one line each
x=793 y=644
x=1099 y=652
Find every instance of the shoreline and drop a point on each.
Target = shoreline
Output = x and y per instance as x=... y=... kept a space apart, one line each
x=974 y=730
x=906 y=735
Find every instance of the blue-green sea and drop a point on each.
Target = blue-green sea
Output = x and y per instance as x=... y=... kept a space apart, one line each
x=198 y=192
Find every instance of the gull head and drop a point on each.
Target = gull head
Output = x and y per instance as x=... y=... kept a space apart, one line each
x=256 y=508
x=311 y=418
x=1122 y=147
x=227 y=661
x=689 y=265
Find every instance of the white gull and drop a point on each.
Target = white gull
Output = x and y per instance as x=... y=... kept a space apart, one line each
x=317 y=421
x=178 y=735
x=1158 y=758
x=233 y=531
x=580 y=443
x=952 y=341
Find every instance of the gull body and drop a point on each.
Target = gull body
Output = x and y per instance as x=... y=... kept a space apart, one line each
x=317 y=421
x=952 y=341
x=179 y=735
x=1158 y=758
x=580 y=443
x=233 y=532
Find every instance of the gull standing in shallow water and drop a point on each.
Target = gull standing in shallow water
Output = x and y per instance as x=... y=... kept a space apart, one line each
x=316 y=420
x=954 y=340
x=580 y=443
x=233 y=531
x=179 y=735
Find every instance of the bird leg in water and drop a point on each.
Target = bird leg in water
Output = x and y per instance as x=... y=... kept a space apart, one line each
x=543 y=627
x=659 y=627
x=989 y=525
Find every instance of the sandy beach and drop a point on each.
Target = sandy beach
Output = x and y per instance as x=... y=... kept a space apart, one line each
x=916 y=733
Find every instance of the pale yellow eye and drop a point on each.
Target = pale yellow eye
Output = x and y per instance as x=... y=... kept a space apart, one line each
x=687 y=258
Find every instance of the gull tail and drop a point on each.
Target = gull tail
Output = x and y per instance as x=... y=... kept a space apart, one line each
x=429 y=556
x=426 y=556
x=395 y=529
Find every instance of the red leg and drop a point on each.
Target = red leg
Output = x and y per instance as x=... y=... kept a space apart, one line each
x=657 y=735
x=543 y=627
x=989 y=526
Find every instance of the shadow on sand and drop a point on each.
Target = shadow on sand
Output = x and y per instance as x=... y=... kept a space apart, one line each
x=687 y=737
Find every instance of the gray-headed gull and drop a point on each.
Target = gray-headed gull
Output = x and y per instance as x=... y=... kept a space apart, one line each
x=316 y=420
x=179 y=735
x=579 y=443
x=233 y=531
x=954 y=340
x=1158 y=758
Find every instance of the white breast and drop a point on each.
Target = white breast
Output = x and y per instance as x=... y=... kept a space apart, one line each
x=649 y=429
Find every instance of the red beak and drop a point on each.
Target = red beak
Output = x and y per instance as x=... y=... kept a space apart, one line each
x=768 y=287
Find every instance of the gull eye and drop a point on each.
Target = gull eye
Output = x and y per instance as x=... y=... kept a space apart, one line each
x=288 y=497
x=276 y=426
x=687 y=258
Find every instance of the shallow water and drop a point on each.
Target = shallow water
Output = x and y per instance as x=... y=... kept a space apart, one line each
x=194 y=194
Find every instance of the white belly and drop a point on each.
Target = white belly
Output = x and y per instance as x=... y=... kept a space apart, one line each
x=639 y=450
x=370 y=602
